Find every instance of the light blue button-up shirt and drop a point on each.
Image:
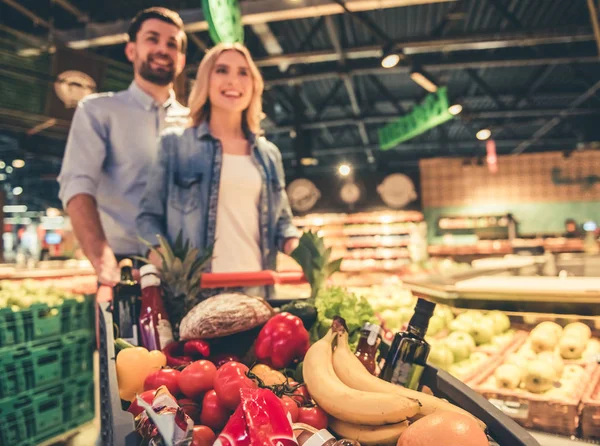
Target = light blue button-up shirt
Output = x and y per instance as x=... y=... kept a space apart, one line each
x=112 y=143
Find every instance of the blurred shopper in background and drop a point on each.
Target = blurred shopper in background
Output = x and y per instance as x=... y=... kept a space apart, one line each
x=113 y=142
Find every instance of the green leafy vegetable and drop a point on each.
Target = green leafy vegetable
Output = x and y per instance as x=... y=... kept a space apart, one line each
x=336 y=301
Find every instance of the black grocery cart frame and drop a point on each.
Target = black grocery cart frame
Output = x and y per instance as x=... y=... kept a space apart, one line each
x=117 y=425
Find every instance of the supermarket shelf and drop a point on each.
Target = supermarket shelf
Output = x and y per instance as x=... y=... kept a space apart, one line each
x=557 y=440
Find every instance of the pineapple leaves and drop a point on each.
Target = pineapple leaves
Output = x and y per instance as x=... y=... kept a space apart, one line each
x=314 y=259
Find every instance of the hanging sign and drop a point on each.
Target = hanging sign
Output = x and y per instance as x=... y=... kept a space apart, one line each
x=432 y=112
x=491 y=158
x=224 y=19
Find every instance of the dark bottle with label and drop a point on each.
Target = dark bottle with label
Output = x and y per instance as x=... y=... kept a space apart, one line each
x=407 y=357
x=127 y=305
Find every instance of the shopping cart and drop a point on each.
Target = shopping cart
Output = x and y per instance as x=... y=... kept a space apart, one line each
x=117 y=425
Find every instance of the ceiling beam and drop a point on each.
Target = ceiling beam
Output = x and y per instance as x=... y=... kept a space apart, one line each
x=471 y=116
x=253 y=12
x=485 y=87
x=459 y=147
x=426 y=45
x=198 y=42
x=348 y=83
x=595 y=24
x=36 y=19
x=558 y=119
x=374 y=67
x=71 y=8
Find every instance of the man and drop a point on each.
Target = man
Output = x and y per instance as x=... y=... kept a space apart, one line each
x=113 y=141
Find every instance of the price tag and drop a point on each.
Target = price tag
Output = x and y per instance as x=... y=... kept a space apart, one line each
x=512 y=408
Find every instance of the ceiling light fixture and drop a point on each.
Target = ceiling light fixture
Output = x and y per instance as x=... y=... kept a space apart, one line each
x=18 y=163
x=17 y=190
x=344 y=169
x=483 y=134
x=455 y=109
x=420 y=78
x=2 y=164
x=390 y=57
x=9 y=169
x=309 y=161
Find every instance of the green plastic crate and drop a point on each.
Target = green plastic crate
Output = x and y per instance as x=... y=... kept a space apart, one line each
x=40 y=364
x=77 y=353
x=11 y=328
x=41 y=322
x=38 y=416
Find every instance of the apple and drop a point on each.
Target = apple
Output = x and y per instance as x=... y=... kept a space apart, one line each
x=444 y=312
x=461 y=344
x=405 y=314
x=436 y=324
x=482 y=331
x=500 y=321
x=441 y=356
x=391 y=318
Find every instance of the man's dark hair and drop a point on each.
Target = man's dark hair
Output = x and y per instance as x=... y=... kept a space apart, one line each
x=163 y=14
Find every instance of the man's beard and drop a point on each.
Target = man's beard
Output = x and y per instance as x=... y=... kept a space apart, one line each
x=160 y=77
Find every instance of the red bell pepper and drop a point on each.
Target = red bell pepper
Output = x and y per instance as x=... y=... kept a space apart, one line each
x=260 y=420
x=282 y=340
x=183 y=353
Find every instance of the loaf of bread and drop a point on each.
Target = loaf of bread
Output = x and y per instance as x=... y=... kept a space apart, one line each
x=224 y=315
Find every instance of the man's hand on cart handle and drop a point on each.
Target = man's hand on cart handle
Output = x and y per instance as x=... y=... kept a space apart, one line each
x=107 y=268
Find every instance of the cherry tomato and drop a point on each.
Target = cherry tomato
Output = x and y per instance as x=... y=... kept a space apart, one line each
x=291 y=407
x=301 y=395
x=191 y=408
x=313 y=416
x=230 y=378
x=203 y=436
x=135 y=408
x=197 y=378
x=214 y=414
x=163 y=377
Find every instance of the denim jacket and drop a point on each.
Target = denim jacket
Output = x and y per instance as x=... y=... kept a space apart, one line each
x=183 y=187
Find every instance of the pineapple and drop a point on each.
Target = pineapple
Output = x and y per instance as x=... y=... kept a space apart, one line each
x=180 y=273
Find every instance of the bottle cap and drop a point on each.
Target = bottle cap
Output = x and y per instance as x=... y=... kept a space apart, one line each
x=424 y=306
x=320 y=438
x=148 y=269
x=126 y=262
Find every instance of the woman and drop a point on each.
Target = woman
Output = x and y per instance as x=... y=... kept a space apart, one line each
x=217 y=180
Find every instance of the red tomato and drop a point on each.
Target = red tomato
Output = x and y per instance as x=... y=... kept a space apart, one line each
x=163 y=377
x=291 y=407
x=197 y=378
x=191 y=408
x=301 y=395
x=213 y=415
x=230 y=378
x=313 y=416
x=203 y=436
x=135 y=408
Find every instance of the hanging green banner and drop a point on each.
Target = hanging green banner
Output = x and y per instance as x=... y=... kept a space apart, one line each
x=224 y=19
x=432 y=112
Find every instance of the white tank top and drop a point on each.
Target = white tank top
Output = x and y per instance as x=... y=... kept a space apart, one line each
x=237 y=244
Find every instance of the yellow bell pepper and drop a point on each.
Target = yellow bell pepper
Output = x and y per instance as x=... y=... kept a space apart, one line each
x=269 y=376
x=133 y=366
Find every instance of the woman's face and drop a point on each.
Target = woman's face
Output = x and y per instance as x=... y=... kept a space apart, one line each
x=231 y=83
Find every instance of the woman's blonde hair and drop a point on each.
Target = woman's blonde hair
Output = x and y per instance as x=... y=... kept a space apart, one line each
x=199 y=102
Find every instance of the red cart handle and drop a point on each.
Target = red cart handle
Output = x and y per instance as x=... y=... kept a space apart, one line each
x=260 y=278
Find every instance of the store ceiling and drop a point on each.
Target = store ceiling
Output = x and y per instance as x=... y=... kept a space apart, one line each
x=527 y=69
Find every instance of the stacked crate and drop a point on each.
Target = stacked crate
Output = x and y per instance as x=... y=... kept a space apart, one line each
x=46 y=370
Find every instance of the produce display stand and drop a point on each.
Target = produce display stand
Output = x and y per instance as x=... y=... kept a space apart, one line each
x=553 y=295
x=117 y=425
